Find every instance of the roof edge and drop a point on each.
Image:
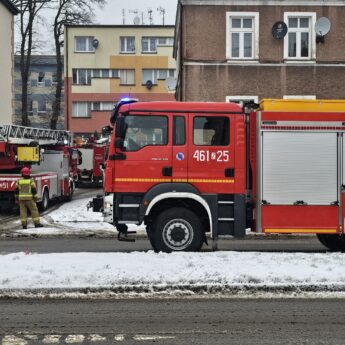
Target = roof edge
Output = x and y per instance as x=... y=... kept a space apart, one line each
x=10 y=6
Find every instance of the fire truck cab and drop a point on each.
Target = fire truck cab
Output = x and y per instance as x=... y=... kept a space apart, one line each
x=181 y=169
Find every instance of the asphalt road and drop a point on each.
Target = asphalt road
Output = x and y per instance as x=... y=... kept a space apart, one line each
x=173 y=321
x=309 y=244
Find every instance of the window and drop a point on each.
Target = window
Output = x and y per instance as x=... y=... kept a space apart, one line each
x=127 y=44
x=156 y=74
x=242 y=35
x=40 y=79
x=102 y=106
x=84 y=44
x=82 y=76
x=211 y=131
x=145 y=130
x=41 y=106
x=165 y=41
x=299 y=43
x=127 y=76
x=81 y=109
x=149 y=44
x=179 y=130
x=54 y=78
x=96 y=73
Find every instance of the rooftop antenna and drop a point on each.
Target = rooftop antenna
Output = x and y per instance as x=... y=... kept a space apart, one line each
x=123 y=16
x=142 y=18
x=149 y=11
x=136 y=20
x=161 y=10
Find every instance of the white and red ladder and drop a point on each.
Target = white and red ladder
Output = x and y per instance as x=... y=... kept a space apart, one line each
x=14 y=134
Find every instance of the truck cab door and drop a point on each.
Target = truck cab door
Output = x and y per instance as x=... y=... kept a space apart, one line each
x=212 y=153
x=147 y=154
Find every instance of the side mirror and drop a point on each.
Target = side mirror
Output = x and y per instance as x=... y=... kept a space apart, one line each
x=119 y=143
x=106 y=131
x=120 y=127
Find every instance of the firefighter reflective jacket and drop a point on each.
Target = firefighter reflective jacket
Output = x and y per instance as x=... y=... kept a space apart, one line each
x=25 y=189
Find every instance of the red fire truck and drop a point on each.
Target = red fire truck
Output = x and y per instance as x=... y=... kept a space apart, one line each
x=186 y=170
x=92 y=159
x=48 y=152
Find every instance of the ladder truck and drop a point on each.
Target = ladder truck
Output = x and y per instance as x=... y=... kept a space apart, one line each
x=191 y=169
x=48 y=153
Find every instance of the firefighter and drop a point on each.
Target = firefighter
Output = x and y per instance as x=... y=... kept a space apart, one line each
x=26 y=196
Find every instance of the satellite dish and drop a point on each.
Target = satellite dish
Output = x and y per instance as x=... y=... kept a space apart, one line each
x=322 y=27
x=95 y=43
x=149 y=84
x=136 y=20
x=170 y=83
x=279 y=30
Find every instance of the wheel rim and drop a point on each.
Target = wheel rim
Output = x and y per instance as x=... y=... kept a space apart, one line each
x=178 y=234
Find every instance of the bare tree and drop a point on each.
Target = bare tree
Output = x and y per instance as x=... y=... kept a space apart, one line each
x=68 y=12
x=29 y=10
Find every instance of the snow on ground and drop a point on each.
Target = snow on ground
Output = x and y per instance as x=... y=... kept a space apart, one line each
x=72 y=217
x=151 y=272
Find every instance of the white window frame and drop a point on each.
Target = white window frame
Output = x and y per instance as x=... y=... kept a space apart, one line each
x=126 y=51
x=311 y=31
x=241 y=99
x=299 y=97
x=89 y=45
x=149 y=38
x=169 y=41
x=123 y=76
x=77 y=106
x=83 y=69
x=255 y=31
x=102 y=106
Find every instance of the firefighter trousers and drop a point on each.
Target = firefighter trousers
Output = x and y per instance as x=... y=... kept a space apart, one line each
x=24 y=206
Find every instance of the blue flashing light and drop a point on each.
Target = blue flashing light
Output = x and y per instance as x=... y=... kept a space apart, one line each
x=126 y=99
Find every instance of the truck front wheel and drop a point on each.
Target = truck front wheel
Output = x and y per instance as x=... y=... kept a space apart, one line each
x=177 y=229
x=333 y=242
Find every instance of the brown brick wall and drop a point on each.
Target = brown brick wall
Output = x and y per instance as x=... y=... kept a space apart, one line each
x=204 y=32
x=214 y=83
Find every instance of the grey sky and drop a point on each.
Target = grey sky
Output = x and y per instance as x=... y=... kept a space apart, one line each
x=112 y=12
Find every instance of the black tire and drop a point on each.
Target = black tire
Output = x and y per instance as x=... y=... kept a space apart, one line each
x=335 y=243
x=151 y=238
x=44 y=204
x=177 y=229
x=70 y=192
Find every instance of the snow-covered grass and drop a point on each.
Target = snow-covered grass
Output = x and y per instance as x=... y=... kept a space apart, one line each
x=150 y=272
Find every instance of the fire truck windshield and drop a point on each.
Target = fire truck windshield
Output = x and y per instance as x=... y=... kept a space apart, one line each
x=144 y=131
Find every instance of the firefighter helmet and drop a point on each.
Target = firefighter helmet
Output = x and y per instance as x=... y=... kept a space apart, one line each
x=25 y=171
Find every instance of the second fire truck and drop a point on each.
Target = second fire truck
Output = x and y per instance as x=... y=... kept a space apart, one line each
x=52 y=160
x=186 y=170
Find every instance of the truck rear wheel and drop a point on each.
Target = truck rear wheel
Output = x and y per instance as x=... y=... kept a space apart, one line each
x=44 y=204
x=177 y=229
x=335 y=243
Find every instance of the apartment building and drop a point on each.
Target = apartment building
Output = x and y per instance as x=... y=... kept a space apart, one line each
x=235 y=50
x=7 y=13
x=105 y=63
x=41 y=91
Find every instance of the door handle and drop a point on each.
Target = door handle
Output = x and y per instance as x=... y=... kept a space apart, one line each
x=229 y=172
x=167 y=171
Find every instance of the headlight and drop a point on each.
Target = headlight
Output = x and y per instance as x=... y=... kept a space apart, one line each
x=107 y=205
